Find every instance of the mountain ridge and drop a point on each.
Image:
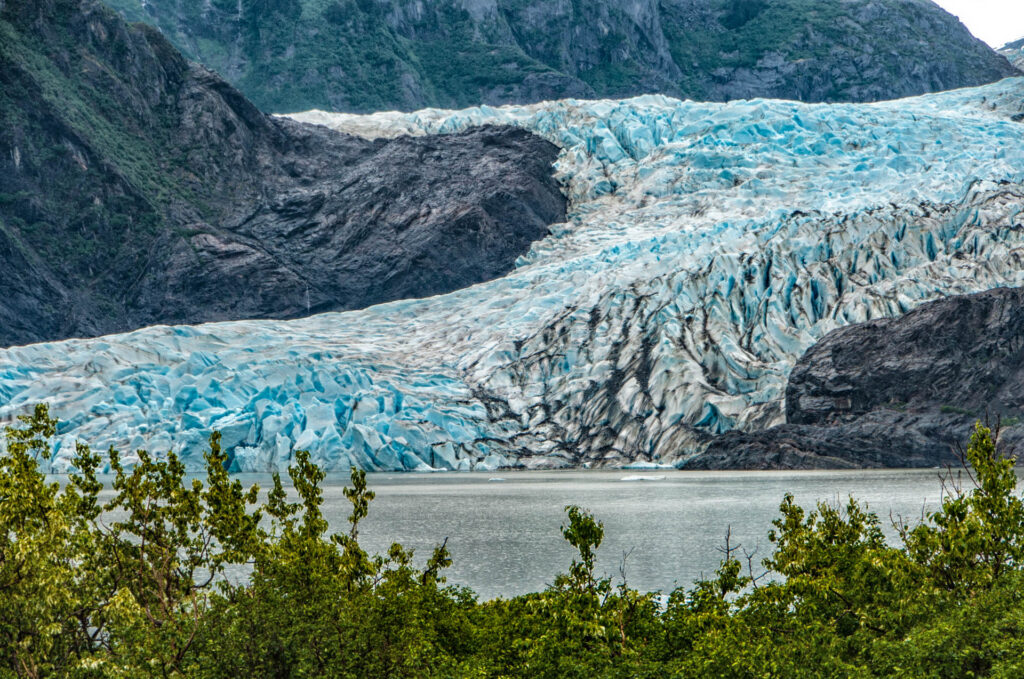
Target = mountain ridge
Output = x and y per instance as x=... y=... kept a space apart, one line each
x=1014 y=53
x=368 y=55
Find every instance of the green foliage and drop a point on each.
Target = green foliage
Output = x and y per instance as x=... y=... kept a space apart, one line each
x=318 y=605
x=95 y=173
x=175 y=576
x=371 y=55
x=978 y=535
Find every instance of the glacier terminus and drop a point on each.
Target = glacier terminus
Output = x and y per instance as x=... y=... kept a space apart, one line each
x=708 y=246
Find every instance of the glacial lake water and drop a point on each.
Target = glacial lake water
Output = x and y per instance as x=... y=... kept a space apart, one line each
x=504 y=534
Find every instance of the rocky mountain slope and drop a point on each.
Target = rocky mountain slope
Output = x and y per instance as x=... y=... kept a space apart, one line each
x=370 y=55
x=897 y=391
x=708 y=247
x=1014 y=53
x=138 y=188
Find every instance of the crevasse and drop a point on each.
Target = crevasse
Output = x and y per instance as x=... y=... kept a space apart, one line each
x=708 y=246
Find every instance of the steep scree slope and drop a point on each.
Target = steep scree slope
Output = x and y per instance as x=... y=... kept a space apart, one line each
x=138 y=188
x=371 y=55
x=708 y=247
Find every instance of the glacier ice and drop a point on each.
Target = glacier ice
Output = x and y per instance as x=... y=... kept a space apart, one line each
x=708 y=246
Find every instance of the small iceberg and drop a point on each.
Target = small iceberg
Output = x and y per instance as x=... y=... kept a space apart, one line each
x=496 y=479
x=643 y=477
x=646 y=466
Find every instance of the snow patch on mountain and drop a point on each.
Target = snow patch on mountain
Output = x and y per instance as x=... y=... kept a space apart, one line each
x=708 y=246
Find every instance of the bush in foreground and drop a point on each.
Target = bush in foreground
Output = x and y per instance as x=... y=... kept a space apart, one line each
x=134 y=587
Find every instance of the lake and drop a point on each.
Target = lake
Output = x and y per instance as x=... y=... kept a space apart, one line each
x=503 y=527
x=504 y=535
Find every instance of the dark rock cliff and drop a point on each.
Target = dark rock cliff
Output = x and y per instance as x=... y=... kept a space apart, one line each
x=139 y=188
x=366 y=55
x=899 y=392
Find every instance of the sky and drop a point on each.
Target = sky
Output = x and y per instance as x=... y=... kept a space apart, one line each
x=997 y=22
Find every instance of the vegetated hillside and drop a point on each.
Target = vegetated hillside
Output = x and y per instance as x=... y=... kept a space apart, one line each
x=139 y=188
x=368 y=55
x=896 y=392
x=1014 y=53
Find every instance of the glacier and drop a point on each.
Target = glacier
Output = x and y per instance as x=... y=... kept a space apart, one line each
x=708 y=246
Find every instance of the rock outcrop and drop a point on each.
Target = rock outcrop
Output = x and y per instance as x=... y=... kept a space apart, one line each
x=371 y=55
x=896 y=392
x=138 y=188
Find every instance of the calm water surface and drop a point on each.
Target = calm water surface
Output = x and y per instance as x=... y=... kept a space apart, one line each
x=504 y=535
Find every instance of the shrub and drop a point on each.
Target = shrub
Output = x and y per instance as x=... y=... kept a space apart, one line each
x=136 y=587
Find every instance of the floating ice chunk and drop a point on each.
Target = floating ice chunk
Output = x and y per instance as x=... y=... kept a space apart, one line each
x=643 y=464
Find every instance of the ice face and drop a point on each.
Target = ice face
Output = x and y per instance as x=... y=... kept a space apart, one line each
x=708 y=246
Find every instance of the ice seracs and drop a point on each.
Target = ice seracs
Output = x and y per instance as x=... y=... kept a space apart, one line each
x=708 y=246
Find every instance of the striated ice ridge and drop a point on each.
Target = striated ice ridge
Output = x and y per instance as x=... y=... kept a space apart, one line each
x=708 y=246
